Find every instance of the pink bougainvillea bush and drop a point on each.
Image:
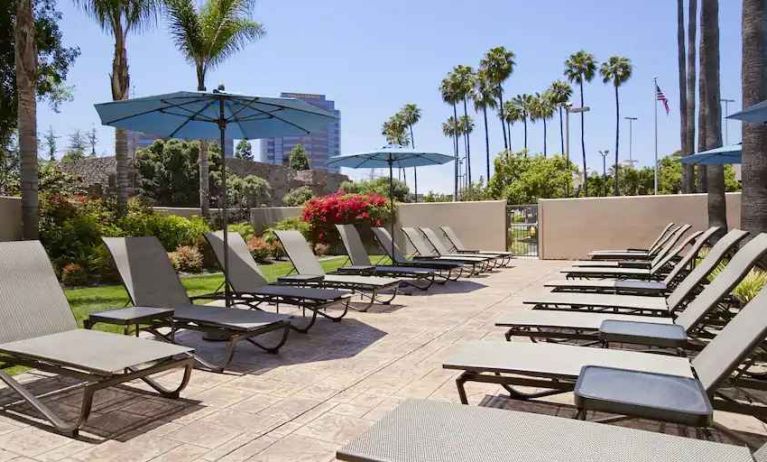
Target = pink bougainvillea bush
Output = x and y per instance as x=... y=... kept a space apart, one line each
x=323 y=213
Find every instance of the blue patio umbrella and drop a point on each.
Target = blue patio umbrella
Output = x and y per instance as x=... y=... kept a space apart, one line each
x=756 y=114
x=718 y=156
x=391 y=156
x=203 y=115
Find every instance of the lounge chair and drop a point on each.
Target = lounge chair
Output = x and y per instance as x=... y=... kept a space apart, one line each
x=150 y=281
x=654 y=273
x=635 y=253
x=306 y=264
x=457 y=246
x=636 y=303
x=672 y=332
x=554 y=369
x=435 y=431
x=442 y=248
x=420 y=278
x=425 y=251
x=645 y=287
x=445 y=270
x=251 y=288
x=38 y=330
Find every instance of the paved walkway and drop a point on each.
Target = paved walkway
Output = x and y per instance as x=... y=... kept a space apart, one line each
x=319 y=392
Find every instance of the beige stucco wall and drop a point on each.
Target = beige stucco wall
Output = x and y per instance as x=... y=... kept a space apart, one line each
x=263 y=217
x=571 y=228
x=480 y=225
x=10 y=218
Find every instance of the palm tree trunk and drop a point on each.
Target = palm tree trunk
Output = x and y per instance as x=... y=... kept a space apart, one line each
x=617 y=137
x=120 y=87
x=561 y=132
x=203 y=162
x=467 y=140
x=500 y=116
x=544 y=138
x=25 y=56
x=682 y=72
x=709 y=68
x=487 y=143
x=524 y=121
x=691 y=77
x=455 y=152
x=583 y=146
x=754 y=71
x=508 y=127
x=415 y=169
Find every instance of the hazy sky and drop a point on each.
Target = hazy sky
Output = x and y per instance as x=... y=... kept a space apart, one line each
x=373 y=57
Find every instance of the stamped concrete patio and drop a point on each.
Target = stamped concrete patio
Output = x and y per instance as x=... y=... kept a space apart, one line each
x=319 y=392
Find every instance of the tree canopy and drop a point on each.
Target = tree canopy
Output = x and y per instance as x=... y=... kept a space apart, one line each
x=243 y=150
x=298 y=159
x=379 y=186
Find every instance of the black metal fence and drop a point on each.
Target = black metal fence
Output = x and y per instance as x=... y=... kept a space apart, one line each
x=522 y=230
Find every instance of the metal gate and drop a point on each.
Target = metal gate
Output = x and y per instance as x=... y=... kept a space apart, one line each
x=522 y=230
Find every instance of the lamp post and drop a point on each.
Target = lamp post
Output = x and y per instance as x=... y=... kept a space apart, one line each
x=726 y=114
x=631 y=139
x=604 y=155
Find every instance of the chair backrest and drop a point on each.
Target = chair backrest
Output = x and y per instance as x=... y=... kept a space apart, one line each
x=695 y=277
x=691 y=254
x=738 y=267
x=146 y=272
x=659 y=240
x=761 y=454
x=435 y=241
x=353 y=244
x=665 y=250
x=299 y=252
x=244 y=274
x=417 y=240
x=453 y=238
x=32 y=303
x=660 y=263
x=385 y=241
x=733 y=344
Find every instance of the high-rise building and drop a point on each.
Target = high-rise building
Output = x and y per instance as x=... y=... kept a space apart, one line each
x=319 y=146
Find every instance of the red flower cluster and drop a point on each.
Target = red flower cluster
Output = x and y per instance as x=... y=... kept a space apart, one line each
x=323 y=213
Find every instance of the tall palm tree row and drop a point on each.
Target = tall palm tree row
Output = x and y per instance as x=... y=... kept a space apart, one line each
x=754 y=74
x=688 y=186
x=119 y=18
x=484 y=97
x=512 y=114
x=498 y=65
x=410 y=115
x=579 y=68
x=395 y=130
x=616 y=70
x=451 y=129
x=463 y=82
x=25 y=57
x=450 y=96
x=466 y=126
x=560 y=92
x=524 y=104
x=711 y=109
x=543 y=110
x=206 y=37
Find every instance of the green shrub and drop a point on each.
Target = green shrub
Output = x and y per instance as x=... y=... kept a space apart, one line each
x=750 y=286
x=172 y=230
x=297 y=197
x=244 y=229
x=73 y=275
x=259 y=248
x=187 y=259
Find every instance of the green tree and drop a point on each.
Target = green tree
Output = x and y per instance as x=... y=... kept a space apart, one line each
x=377 y=186
x=410 y=115
x=168 y=173
x=542 y=109
x=616 y=70
x=498 y=65
x=395 y=130
x=119 y=18
x=50 y=144
x=512 y=114
x=464 y=85
x=484 y=98
x=92 y=140
x=297 y=197
x=522 y=180
x=450 y=95
x=243 y=150
x=579 y=68
x=298 y=159
x=560 y=92
x=207 y=37
x=524 y=104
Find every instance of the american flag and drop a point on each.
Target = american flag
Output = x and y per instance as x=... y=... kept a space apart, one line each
x=660 y=96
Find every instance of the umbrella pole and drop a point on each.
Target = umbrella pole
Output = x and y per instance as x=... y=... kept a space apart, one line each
x=224 y=205
x=391 y=199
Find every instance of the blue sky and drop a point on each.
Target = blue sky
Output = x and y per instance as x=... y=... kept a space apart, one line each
x=373 y=57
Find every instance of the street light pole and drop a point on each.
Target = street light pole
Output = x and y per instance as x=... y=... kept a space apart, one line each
x=726 y=114
x=631 y=138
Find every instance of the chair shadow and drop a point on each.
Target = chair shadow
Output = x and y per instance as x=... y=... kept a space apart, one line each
x=568 y=411
x=461 y=286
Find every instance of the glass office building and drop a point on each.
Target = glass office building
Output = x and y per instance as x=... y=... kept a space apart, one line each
x=319 y=146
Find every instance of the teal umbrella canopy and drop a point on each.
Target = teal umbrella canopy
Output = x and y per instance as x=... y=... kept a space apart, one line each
x=392 y=155
x=756 y=114
x=718 y=156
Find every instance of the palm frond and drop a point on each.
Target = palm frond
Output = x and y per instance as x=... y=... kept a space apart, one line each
x=186 y=30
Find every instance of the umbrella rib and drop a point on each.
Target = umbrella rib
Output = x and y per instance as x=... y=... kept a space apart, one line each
x=299 y=109
x=139 y=114
x=244 y=106
x=173 y=133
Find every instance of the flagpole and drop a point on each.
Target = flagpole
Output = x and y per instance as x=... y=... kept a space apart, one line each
x=655 y=92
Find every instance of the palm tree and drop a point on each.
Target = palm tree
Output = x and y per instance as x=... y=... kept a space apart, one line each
x=711 y=109
x=25 y=56
x=395 y=130
x=466 y=126
x=616 y=70
x=451 y=128
x=206 y=37
x=484 y=97
x=524 y=103
x=450 y=96
x=754 y=72
x=411 y=114
x=580 y=67
x=512 y=113
x=688 y=186
x=560 y=92
x=119 y=17
x=682 y=73
x=465 y=80
x=498 y=64
x=543 y=110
